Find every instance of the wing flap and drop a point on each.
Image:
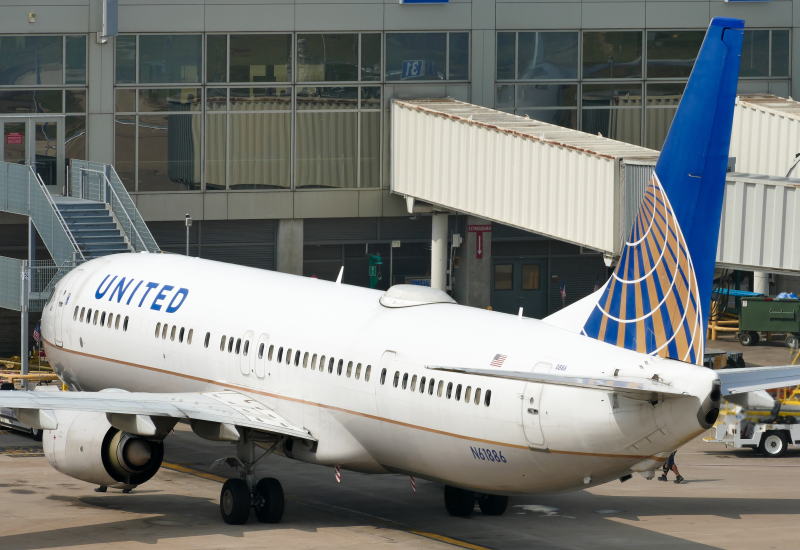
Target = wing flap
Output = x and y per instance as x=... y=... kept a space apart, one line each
x=758 y=378
x=638 y=388
x=229 y=407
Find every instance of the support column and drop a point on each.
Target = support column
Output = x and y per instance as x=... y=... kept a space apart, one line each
x=23 y=356
x=289 y=246
x=761 y=282
x=439 y=251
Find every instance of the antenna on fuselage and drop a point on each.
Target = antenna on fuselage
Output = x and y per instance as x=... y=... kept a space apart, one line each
x=520 y=314
x=339 y=278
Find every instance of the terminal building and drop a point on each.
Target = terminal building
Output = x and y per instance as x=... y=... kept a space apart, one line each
x=269 y=122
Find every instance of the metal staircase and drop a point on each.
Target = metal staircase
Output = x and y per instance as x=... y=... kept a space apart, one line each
x=96 y=231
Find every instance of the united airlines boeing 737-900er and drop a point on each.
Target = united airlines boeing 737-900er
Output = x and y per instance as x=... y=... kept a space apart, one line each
x=407 y=381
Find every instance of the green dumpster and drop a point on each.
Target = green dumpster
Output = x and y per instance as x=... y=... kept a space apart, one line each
x=769 y=315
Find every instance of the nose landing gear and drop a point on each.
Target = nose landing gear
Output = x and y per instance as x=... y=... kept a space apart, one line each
x=461 y=503
x=240 y=494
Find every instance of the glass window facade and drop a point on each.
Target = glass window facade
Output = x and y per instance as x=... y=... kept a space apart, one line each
x=629 y=84
x=425 y=56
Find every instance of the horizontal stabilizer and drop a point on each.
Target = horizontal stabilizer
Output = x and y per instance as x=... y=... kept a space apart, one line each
x=758 y=378
x=636 y=388
x=227 y=407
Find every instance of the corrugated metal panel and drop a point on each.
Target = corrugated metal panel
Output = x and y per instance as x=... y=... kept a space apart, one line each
x=237 y=231
x=173 y=234
x=406 y=228
x=760 y=225
x=260 y=256
x=516 y=171
x=766 y=134
x=340 y=229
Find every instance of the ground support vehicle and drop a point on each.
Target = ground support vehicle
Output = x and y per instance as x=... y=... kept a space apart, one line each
x=764 y=314
x=770 y=435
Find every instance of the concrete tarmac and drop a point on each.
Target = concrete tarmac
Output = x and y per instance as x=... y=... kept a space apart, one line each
x=731 y=499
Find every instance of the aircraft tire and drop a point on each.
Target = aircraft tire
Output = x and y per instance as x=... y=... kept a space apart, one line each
x=493 y=505
x=234 y=502
x=271 y=492
x=459 y=502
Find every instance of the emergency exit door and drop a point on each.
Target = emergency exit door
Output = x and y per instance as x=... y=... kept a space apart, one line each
x=38 y=142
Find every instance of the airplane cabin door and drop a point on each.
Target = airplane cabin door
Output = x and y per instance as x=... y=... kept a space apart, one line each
x=262 y=349
x=62 y=304
x=531 y=408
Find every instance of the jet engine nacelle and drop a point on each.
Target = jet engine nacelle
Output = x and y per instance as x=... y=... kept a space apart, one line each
x=87 y=447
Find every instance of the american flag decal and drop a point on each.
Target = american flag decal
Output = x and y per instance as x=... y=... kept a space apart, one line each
x=498 y=360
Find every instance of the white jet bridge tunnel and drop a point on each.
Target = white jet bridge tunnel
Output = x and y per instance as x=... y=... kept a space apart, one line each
x=451 y=156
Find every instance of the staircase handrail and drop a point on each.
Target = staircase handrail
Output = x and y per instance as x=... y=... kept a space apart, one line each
x=57 y=212
x=105 y=198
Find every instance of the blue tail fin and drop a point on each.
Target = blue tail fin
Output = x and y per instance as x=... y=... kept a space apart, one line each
x=657 y=300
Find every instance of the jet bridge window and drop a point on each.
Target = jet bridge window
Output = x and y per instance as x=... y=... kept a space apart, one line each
x=261 y=350
x=366 y=373
x=158 y=329
x=180 y=335
x=164 y=332
x=339 y=367
x=222 y=343
x=431 y=384
x=439 y=389
x=83 y=310
x=458 y=392
x=405 y=380
x=305 y=360
x=280 y=354
x=188 y=338
x=488 y=398
x=116 y=324
x=297 y=358
x=478 y=396
x=75 y=315
x=449 y=390
x=349 y=368
x=206 y=341
x=358 y=371
x=414 y=383
x=396 y=378
x=89 y=316
x=246 y=348
x=125 y=327
x=269 y=355
x=467 y=394
x=422 y=385
x=383 y=376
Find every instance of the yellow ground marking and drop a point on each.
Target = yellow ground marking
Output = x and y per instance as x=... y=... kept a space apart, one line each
x=22 y=451
x=336 y=509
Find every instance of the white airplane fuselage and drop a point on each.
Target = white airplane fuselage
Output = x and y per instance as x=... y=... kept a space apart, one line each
x=531 y=438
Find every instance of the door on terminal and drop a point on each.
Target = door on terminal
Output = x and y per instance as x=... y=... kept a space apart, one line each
x=37 y=141
x=520 y=283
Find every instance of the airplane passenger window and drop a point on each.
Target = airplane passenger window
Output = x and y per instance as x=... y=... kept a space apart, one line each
x=75 y=315
x=349 y=369
x=383 y=376
x=467 y=394
x=280 y=354
x=82 y=312
x=430 y=386
x=330 y=365
x=414 y=383
x=458 y=392
x=180 y=335
x=488 y=398
x=103 y=319
x=208 y=337
x=269 y=355
x=339 y=367
x=261 y=351
x=116 y=323
x=230 y=344
x=366 y=373
x=172 y=334
x=358 y=371
x=305 y=360
x=422 y=385
x=322 y=364
x=238 y=345
x=222 y=343
x=88 y=316
x=314 y=362
x=449 y=390
x=125 y=324
x=439 y=389
x=396 y=378
x=477 y=396
x=163 y=331
x=158 y=329
x=189 y=337
x=96 y=314
x=246 y=347
x=297 y=358
x=405 y=380
x=289 y=357
x=110 y=318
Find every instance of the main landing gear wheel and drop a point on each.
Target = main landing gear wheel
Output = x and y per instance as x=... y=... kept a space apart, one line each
x=459 y=502
x=493 y=505
x=234 y=502
x=773 y=444
x=270 y=506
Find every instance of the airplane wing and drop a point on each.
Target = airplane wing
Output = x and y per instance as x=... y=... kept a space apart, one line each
x=758 y=378
x=637 y=388
x=223 y=407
